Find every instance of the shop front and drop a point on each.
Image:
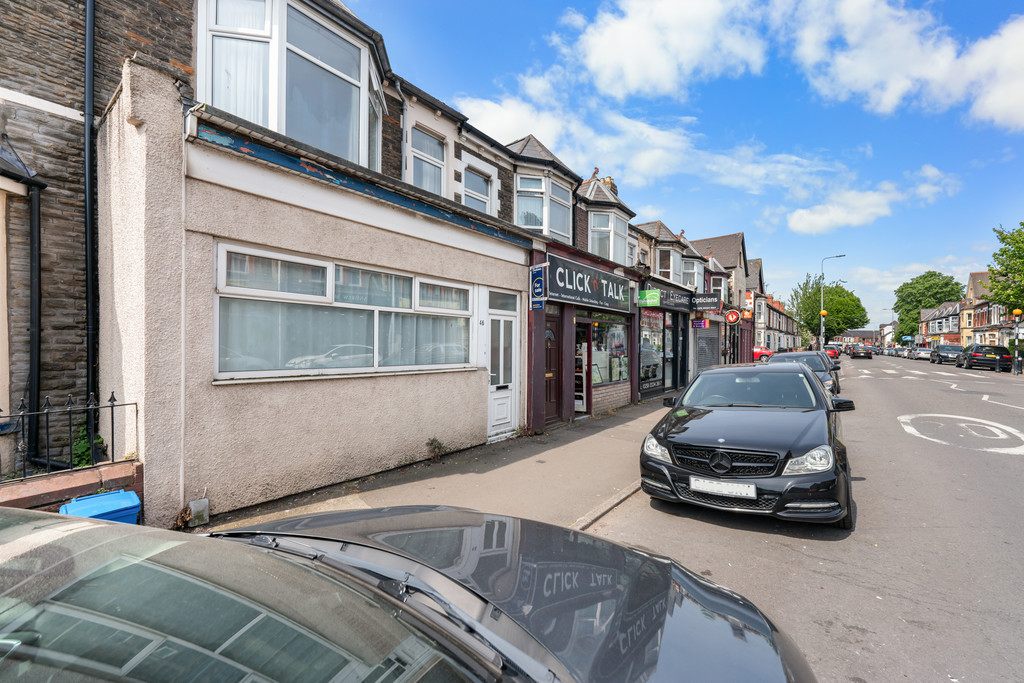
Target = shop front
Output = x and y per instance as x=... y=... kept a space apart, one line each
x=664 y=332
x=589 y=339
x=707 y=333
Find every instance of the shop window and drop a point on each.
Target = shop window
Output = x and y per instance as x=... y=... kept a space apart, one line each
x=609 y=355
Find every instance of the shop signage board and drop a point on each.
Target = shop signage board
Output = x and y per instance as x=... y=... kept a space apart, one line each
x=706 y=302
x=700 y=324
x=732 y=316
x=649 y=297
x=579 y=284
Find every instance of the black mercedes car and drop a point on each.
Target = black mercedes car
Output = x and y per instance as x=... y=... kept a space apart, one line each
x=945 y=353
x=395 y=595
x=985 y=356
x=762 y=439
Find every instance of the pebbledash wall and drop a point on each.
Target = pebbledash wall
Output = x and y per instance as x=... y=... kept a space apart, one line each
x=169 y=205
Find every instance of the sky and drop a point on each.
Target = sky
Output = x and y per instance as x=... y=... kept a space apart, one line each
x=890 y=132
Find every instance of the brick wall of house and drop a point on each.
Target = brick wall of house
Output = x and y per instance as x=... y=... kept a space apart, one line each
x=506 y=195
x=391 y=139
x=43 y=56
x=582 y=227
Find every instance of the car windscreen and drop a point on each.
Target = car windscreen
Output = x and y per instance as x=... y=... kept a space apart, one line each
x=84 y=602
x=951 y=349
x=811 y=360
x=769 y=389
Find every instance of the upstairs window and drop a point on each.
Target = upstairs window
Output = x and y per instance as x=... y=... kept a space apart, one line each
x=285 y=67
x=427 y=161
x=608 y=237
x=477 y=190
x=718 y=287
x=689 y=274
x=544 y=205
x=670 y=265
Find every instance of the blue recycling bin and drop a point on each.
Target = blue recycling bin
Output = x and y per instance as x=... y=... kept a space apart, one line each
x=115 y=506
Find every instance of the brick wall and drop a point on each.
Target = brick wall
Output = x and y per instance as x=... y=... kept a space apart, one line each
x=582 y=227
x=606 y=397
x=391 y=139
x=506 y=195
x=43 y=55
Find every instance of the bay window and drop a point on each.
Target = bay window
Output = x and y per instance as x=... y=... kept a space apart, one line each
x=286 y=67
x=284 y=315
x=608 y=237
x=670 y=265
x=537 y=197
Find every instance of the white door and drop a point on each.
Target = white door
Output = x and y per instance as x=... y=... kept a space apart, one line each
x=503 y=365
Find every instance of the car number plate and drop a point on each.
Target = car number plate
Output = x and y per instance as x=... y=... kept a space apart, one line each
x=989 y=355
x=723 y=488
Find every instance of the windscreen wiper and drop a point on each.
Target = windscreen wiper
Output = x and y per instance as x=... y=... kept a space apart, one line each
x=400 y=585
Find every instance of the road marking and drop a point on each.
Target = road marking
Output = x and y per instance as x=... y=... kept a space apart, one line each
x=997 y=430
x=947 y=374
x=891 y=372
x=954 y=387
x=911 y=377
x=916 y=372
x=866 y=372
x=986 y=398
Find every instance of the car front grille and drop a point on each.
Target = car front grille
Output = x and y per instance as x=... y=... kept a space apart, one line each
x=763 y=501
x=744 y=463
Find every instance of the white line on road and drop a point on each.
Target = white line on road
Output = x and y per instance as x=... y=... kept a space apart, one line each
x=947 y=374
x=891 y=372
x=986 y=398
x=866 y=372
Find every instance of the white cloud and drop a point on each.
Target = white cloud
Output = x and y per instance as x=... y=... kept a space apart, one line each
x=573 y=19
x=932 y=183
x=994 y=74
x=845 y=208
x=889 y=55
x=657 y=47
x=512 y=118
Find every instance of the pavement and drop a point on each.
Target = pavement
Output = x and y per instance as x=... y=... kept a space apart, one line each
x=570 y=475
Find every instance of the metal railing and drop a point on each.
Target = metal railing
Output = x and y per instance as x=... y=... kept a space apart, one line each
x=61 y=438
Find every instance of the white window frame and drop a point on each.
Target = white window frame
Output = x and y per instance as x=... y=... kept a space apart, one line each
x=719 y=284
x=441 y=164
x=689 y=274
x=632 y=251
x=547 y=197
x=612 y=232
x=222 y=290
x=472 y=194
x=675 y=269
x=274 y=35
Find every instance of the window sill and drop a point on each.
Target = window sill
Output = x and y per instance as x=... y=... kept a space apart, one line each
x=347 y=375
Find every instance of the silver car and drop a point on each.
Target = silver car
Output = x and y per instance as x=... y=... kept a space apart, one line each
x=921 y=353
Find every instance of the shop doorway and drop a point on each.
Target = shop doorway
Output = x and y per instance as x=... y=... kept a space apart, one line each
x=552 y=368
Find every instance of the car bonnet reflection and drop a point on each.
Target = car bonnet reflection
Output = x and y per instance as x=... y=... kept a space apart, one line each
x=608 y=613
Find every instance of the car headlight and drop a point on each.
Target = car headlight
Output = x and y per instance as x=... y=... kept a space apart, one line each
x=655 y=449
x=818 y=459
x=828 y=384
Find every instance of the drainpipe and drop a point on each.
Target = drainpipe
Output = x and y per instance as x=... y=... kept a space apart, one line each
x=91 y=293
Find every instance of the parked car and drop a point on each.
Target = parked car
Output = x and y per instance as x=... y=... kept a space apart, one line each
x=905 y=352
x=827 y=369
x=860 y=351
x=762 y=353
x=832 y=350
x=985 y=356
x=945 y=352
x=760 y=439
x=921 y=353
x=399 y=594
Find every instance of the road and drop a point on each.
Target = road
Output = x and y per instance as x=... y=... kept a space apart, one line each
x=927 y=587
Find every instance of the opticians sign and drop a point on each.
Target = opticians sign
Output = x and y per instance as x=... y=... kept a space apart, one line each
x=706 y=302
x=579 y=284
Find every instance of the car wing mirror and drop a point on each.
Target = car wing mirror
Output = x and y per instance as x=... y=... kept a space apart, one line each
x=668 y=402
x=842 y=404
x=835 y=365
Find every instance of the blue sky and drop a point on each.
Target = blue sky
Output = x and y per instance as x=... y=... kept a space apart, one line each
x=892 y=132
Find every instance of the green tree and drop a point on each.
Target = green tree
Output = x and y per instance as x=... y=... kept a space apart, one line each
x=927 y=290
x=1006 y=272
x=845 y=311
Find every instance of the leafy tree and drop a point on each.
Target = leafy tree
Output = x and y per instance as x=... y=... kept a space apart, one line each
x=845 y=311
x=928 y=290
x=1006 y=273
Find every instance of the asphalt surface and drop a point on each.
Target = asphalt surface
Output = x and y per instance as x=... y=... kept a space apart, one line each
x=570 y=475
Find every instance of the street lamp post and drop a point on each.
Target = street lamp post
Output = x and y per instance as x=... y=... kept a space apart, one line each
x=821 y=331
x=1016 y=341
